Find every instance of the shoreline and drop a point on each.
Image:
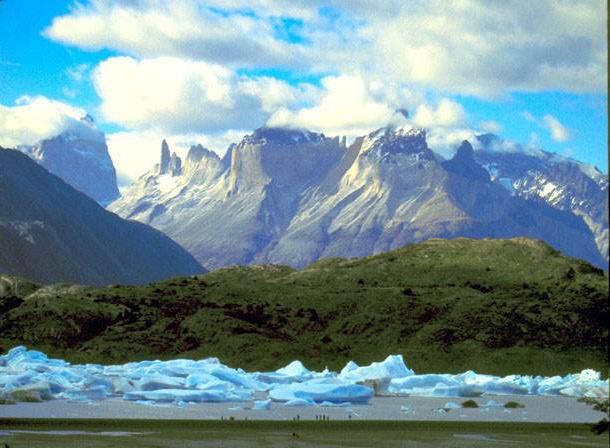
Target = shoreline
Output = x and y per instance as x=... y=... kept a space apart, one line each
x=537 y=409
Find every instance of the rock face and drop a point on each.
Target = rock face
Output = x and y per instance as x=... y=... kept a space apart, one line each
x=49 y=232
x=80 y=157
x=292 y=197
x=561 y=182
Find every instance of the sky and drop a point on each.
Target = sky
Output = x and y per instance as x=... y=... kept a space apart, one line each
x=209 y=72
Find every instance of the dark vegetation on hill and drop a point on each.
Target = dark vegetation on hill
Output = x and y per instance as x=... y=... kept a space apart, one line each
x=495 y=306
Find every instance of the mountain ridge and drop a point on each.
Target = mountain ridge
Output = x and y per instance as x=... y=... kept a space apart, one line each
x=293 y=196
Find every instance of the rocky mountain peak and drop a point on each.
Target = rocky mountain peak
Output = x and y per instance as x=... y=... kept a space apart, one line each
x=165 y=158
x=398 y=140
x=88 y=119
x=281 y=156
x=197 y=153
x=175 y=165
x=488 y=139
x=464 y=164
x=465 y=152
x=283 y=136
x=79 y=155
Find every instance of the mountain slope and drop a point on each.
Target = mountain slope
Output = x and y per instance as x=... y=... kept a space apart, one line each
x=225 y=211
x=561 y=182
x=79 y=156
x=446 y=305
x=50 y=232
x=292 y=197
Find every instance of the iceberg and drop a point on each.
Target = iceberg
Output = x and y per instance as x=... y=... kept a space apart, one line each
x=299 y=402
x=30 y=374
x=262 y=404
x=330 y=390
x=392 y=367
x=176 y=396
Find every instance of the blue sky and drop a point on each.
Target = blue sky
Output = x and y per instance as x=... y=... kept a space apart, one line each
x=211 y=70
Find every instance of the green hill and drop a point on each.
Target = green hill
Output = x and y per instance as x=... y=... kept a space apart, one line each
x=495 y=306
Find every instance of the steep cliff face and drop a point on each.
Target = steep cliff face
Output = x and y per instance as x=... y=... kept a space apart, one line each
x=49 y=232
x=231 y=209
x=79 y=156
x=292 y=197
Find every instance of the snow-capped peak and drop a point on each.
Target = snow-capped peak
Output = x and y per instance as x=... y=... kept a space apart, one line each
x=397 y=140
x=283 y=136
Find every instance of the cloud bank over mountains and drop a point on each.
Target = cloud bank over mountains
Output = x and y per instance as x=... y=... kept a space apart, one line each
x=35 y=118
x=206 y=70
x=448 y=45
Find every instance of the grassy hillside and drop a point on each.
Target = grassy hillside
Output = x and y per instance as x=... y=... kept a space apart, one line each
x=495 y=306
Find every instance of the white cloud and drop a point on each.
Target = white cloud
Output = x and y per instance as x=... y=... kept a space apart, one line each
x=271 y=92
x=134 y=153
x=78 y=73
x=490 y=48
x=353 y=106
x=447 y=113
x=491 y=126
x=180 y=28
x=35 y=118
x=180 y=76
x=558 y=131
x=345 y=105
x=466 y=46
x=180 y=96
x=445 y=141
x=529 y=117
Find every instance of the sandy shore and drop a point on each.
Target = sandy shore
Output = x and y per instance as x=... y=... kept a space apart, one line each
x=539 y=409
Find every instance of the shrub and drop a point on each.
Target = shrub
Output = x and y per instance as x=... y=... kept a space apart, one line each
x=513 y=405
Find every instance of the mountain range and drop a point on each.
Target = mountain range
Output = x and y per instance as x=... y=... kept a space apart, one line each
x=50 y=232
x=290 y=196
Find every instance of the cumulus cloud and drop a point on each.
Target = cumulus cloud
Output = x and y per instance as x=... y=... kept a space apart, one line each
x=180 y=76
x=489 y=48
x=345 y=105
x=178 y=95
x=181 y=28
x=447 y=113
x=490 y=126
x=34 y=118
x=445 y=141
x=558 y=131
x=468 y=46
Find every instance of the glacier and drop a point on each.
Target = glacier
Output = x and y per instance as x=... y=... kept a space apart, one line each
x=32 y=373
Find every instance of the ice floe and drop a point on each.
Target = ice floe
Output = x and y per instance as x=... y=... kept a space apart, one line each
x=28 y=375
x=320 y=390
